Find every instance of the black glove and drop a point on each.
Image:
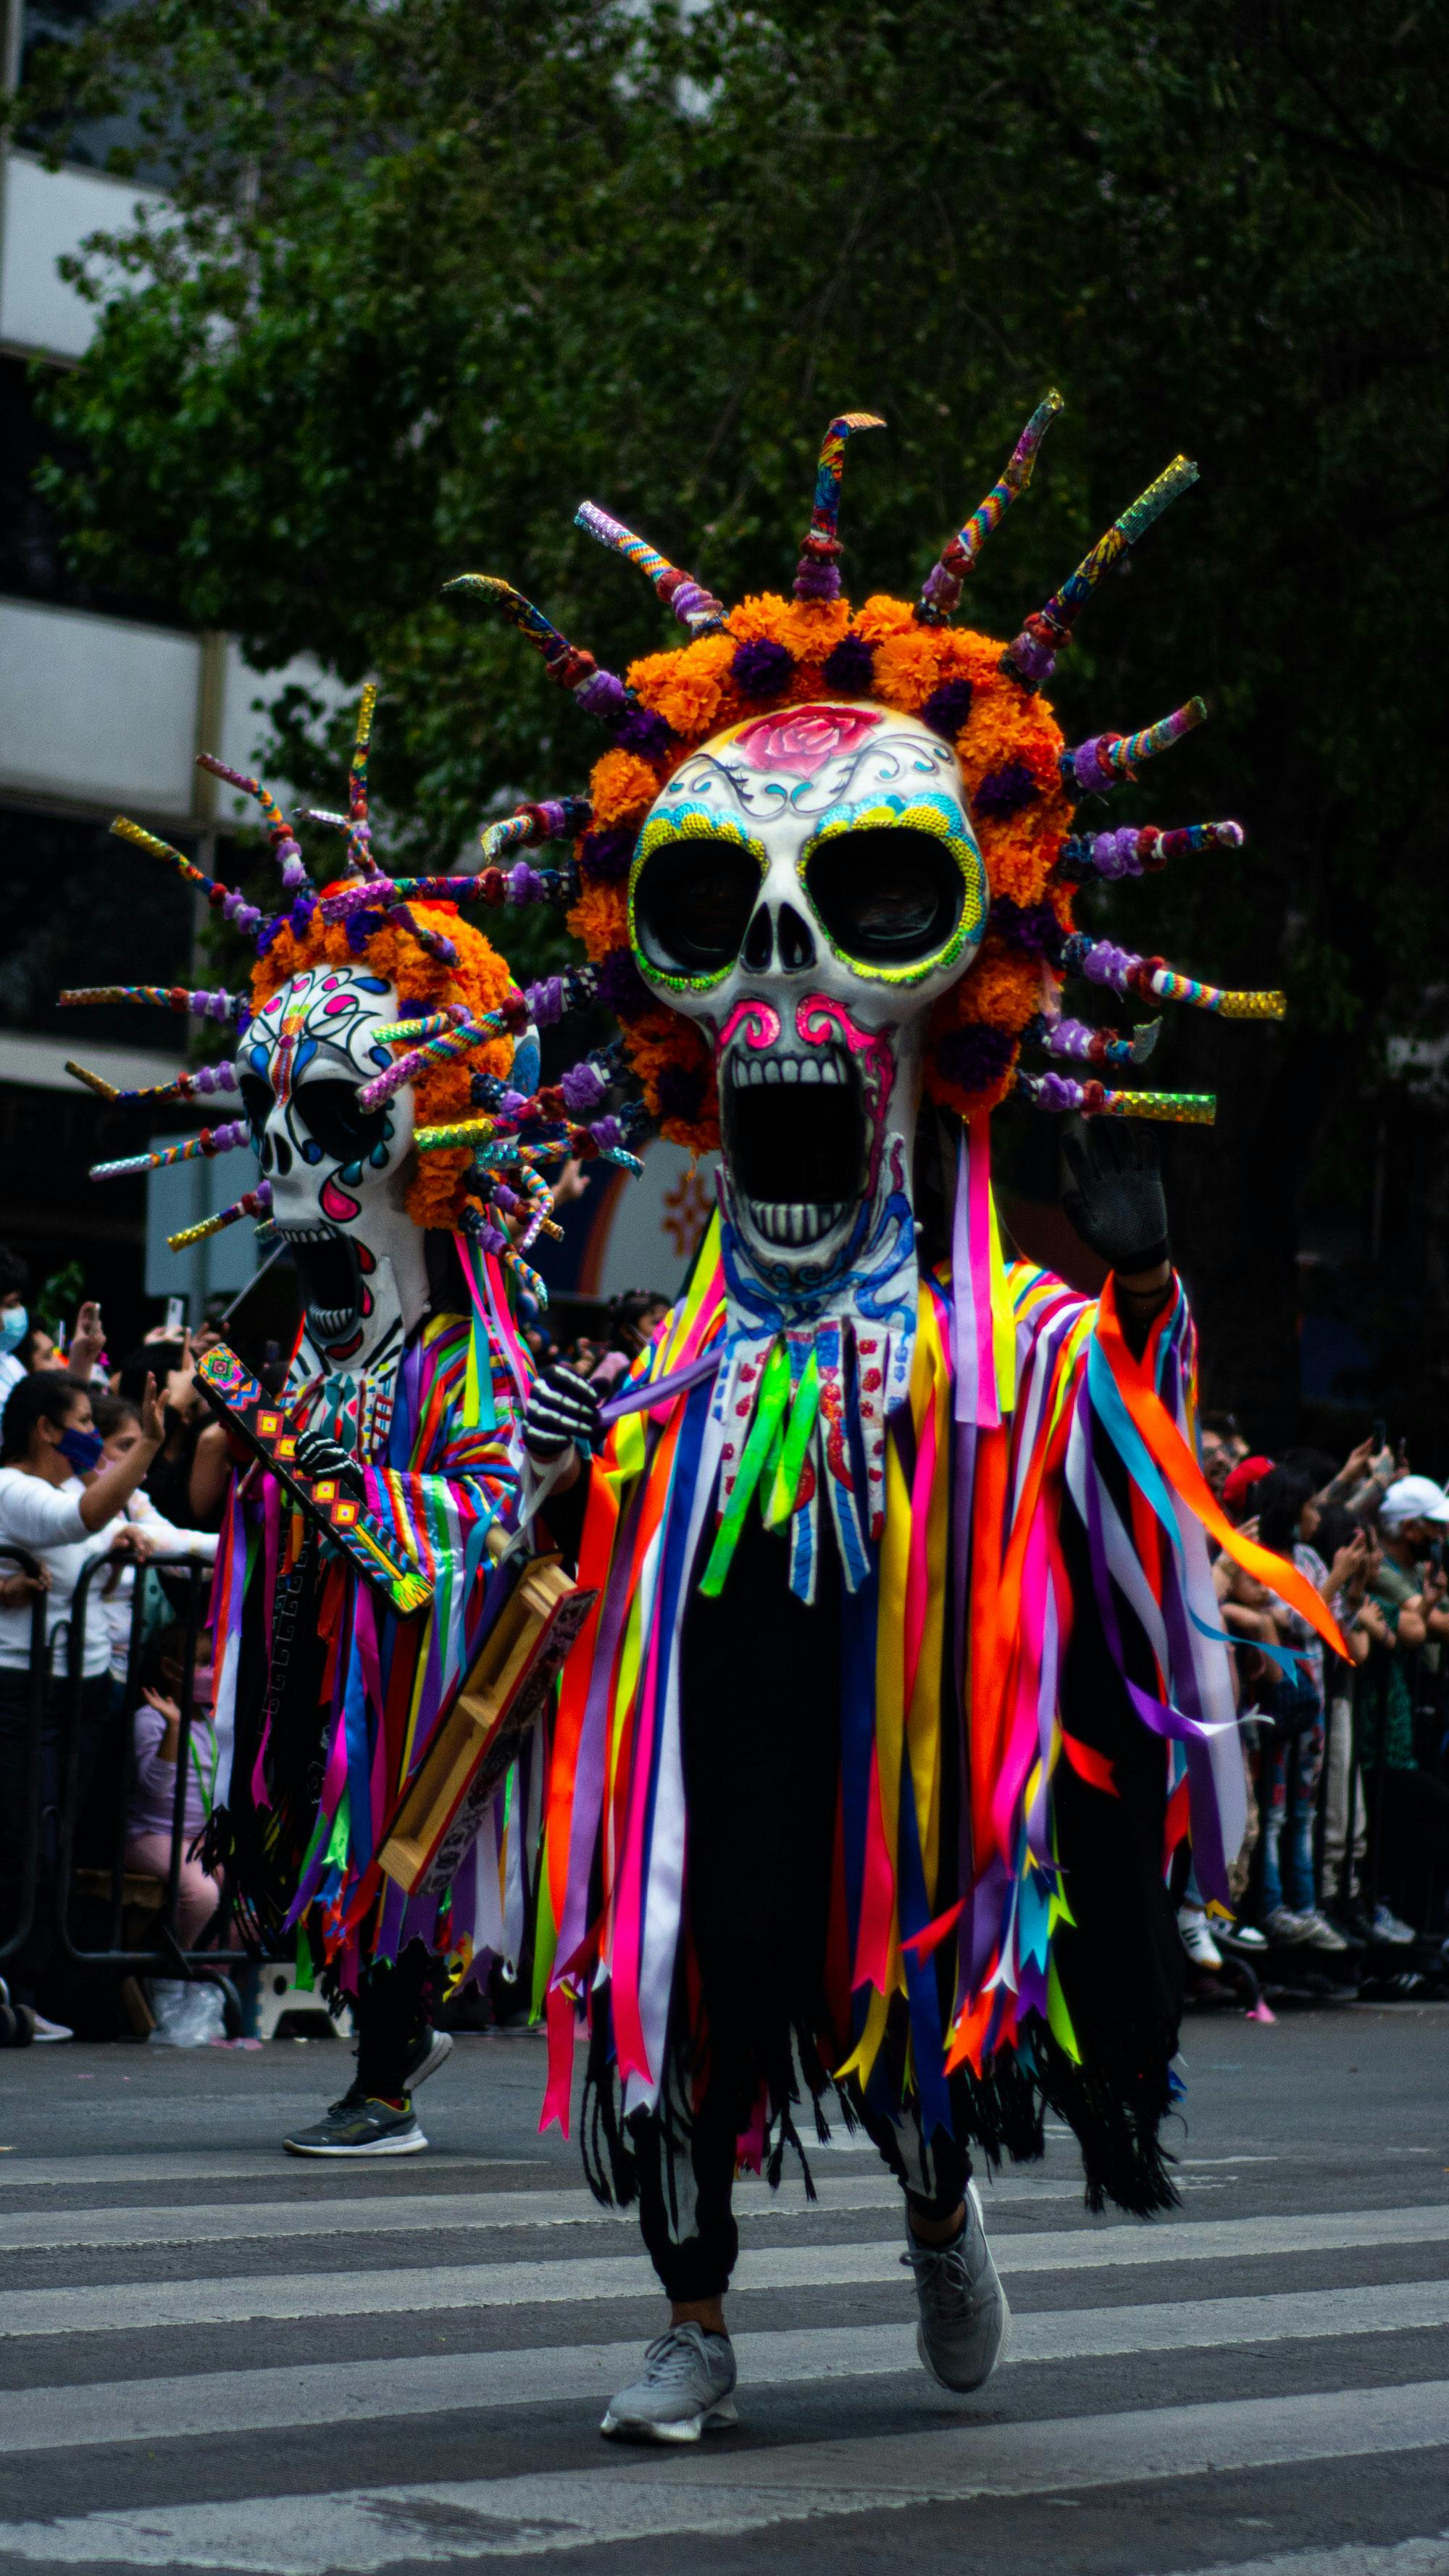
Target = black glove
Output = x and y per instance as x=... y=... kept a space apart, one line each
x=1111 y=1189
x=319 y=1455
x=562 y=1408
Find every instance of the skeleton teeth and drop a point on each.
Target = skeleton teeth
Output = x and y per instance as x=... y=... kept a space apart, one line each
x=831 y=1071
x=772 y=1068
x=792 y=1221
x=790 y=1069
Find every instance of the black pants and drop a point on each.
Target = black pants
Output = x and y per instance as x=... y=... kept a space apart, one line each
x=1414 y=1837
x=23 y=1971
x=394 y=2001
x=686 y=2190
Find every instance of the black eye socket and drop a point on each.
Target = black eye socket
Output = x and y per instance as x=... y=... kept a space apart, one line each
x=257 y=1100
x=886 y=896
x=692 y=905
x=344 y=1130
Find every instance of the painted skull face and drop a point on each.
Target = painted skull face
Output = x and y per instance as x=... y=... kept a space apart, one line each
x=338 y=1172
x=806 y=887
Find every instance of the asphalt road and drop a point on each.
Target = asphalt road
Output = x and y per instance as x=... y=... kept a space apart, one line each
x=212 y=2356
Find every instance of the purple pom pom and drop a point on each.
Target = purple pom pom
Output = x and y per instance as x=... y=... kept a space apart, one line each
x=645 y=732
x=947 y=708
x=620 y=986
x=607 y=856
x=1005 y=791
x=762 y=669
x=583 y=1088
x=850 y=668
x=974 y=1058
x=681 y=1091
x=1032 y=927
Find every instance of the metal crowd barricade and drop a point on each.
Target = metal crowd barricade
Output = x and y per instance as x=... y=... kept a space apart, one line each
x=166 y=1958
x=31 y=1820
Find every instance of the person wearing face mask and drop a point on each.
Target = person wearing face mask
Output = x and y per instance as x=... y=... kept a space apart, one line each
x=14 y=1319
x=118 y=1421
x=48 y=1448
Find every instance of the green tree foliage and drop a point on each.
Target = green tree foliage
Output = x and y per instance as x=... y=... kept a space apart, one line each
x=437 y=271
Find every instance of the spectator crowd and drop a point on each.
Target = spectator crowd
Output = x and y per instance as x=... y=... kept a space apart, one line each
x=1345 y=1869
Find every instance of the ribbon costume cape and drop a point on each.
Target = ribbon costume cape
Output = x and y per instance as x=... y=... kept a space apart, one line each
x=319 y=1766
x=1010 y=1727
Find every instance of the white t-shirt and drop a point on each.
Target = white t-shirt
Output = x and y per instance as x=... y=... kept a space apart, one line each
x=166 y=1540
x=46 y=1520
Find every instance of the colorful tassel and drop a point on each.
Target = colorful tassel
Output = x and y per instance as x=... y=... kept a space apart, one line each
x=693 y=605
x=204 y=1078
x=817 y=575
x=941 y=592
x=598 y=692
x=1103 y=963
x=212 y=1140
x=1032 y=657
x=1133 y=849
x=1108 y=758
x=255 y=1202
x=1058 y=1091
x=164 y=997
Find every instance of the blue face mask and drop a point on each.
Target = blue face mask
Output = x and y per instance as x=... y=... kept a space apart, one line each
x=14 y=1325
x=82 y=1448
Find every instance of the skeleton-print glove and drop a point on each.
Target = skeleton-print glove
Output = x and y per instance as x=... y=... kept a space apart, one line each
x=318 y=1454
x=1112 y=1191
x=562 y=1408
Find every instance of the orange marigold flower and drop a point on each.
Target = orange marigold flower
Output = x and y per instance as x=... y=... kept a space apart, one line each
x=621 y=786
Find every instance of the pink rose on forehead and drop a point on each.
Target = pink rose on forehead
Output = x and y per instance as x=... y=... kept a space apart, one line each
x=802 y=739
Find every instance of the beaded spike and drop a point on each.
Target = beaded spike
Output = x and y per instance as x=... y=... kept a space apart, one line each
x=817 y=574
x=1032 y=658
x=285 y=847
x=242 y=915
x=195 y=1085
x=1102 y=963
x=1108 y=758
x=164 y=997
x=941 y=592
x=1059 y=1092
x=598 y=692
x=359 y=831
x=212 y=1140
x=693 y=605
x=1135 y=849
x=255 y=1202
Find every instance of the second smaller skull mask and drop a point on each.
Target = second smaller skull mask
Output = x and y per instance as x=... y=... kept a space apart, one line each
x=806 y=887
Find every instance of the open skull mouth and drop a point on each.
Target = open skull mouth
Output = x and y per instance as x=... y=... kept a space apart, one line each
x=799 y=1132
x=330 y=1273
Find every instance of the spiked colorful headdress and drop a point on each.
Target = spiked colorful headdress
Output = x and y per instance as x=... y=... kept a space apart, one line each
x=1023 y=782
x=481 y=1142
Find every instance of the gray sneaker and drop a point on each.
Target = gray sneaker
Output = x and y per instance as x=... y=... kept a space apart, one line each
x=358 y=2127
x=965 y=2319
x=686 y=2389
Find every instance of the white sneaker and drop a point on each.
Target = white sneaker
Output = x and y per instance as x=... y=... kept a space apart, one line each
x=1244 y=1936
x=1321 y=1934
x=50 y=2029
x=1287 y=1929
x=686 y=2388
x=1388 y=1926
x=1197 y=1940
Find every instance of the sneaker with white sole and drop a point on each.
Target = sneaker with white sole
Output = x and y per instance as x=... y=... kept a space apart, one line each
x=1286 y=1929
x=964 y=2315
x=686 y=2389
x=1197 y=1940
x=433 y=2048
x=1243 y=1936
x=356 y=2127
x=1323 y=1935
x=1388 y=1926
x=49 y=2029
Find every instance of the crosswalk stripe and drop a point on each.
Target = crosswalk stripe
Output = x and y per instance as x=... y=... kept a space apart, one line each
x=1426 y=2557
x=406 y=2213
x=131 y=2306
x=733 y=2491
x=332 y=2393
x=246 y=2164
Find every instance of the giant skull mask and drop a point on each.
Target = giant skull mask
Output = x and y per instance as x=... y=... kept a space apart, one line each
x=805 y=888
x=338 y=1173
